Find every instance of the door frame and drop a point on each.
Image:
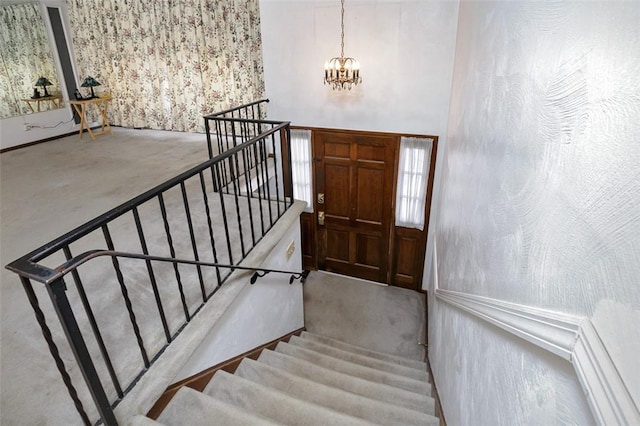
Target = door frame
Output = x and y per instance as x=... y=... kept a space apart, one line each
x=309 y=226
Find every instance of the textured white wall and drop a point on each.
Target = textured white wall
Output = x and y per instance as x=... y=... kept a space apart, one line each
x=263 y=312
x=541 y=201
x=541 y=198
x=487 y=377
x=405 y=49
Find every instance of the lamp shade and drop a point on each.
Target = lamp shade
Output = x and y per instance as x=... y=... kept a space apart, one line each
x=42 y=81
x=90 y=82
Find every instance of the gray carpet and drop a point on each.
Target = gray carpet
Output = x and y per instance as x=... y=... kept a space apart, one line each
x=46 y=190
x=381 y=318
x=352 y=386
x=359 y=364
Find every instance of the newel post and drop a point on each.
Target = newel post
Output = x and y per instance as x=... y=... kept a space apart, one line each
x=57 y=292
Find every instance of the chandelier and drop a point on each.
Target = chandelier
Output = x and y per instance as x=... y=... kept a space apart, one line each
x=342 y=72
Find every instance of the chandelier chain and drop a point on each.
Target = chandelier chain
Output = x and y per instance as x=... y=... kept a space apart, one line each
x=342 y=33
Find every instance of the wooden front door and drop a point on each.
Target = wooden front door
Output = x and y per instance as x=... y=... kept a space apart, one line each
x=354 y=175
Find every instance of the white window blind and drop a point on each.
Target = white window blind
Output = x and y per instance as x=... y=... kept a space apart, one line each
x=301 y=167
x=413 y=176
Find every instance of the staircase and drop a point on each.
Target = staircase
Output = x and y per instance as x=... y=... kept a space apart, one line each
x=311 y=380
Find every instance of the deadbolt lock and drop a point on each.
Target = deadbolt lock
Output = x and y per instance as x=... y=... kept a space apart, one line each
x=320 y=218
x=320 y=198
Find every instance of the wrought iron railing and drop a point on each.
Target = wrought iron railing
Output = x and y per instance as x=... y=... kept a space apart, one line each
x=174 y=245
x=228 y=128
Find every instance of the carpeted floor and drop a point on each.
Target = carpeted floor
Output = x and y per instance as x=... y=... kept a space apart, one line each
x=381 y=318
x=46 y=190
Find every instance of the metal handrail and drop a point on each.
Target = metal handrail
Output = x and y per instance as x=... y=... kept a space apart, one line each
x=73 y=264
x=238 y=108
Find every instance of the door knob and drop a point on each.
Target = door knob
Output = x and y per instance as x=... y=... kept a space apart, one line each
x=320 y=218
x=320 y=198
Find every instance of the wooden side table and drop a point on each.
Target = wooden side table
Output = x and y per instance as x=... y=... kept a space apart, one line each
x=54 y=100
x=81 y=108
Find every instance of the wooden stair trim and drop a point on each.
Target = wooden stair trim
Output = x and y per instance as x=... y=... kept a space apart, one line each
x=200 y=380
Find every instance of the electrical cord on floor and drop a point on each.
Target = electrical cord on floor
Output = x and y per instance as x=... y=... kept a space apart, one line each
x=36 y=126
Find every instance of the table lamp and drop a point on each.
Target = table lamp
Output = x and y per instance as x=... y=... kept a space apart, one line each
x=90 y=82
x=43 y=82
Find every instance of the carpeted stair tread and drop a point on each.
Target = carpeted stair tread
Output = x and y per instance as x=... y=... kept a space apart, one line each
x=367 y=361
x=330 y=397
x=359 y=386
x=193 y=408
x=272 y=404
x=395 y=359
x=354 y=369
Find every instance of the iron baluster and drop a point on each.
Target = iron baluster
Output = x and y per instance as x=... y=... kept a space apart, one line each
x=152 y=275
x=287 y=132
x=125 y=295
x=224 y=217
x=265 y=160
x=234 y=179
x=94 y=325
x=208 y=133
x=275 y=168
x=167 y=229
x=193 y=239
x=247 y=181
x=258 y=176
x=210 y=226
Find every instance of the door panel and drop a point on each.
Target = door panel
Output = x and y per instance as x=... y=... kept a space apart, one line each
x=308 y=240
x=408 y=257
x=337 y=246
x=368 y=250
x=370 y=203
x=355 y=172
x=337 y=150
x=368 y=152
x=336 y=175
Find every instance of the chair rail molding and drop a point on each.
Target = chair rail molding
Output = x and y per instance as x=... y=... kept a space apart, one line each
x=549 y=330
x=572 y=338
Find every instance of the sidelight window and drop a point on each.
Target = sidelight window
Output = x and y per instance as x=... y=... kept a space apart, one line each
x=301 y=166
x=413 y=176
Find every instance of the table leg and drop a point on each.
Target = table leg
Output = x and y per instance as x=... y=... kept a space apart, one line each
x=105 y=120
x=83 y=119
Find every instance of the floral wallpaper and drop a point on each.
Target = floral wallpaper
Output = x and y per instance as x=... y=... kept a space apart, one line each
x=25 y=56
x=166 y=63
